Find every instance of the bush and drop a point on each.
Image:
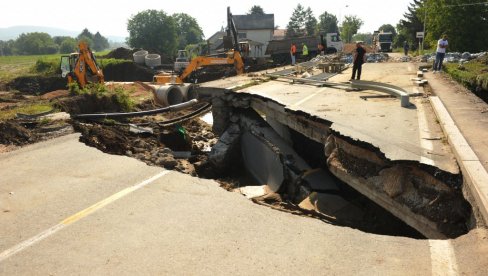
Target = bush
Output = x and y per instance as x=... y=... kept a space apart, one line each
x=46 y=67
x=118 y=95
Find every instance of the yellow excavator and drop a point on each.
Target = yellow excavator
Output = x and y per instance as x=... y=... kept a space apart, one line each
x=232 y=57
x=81 y=67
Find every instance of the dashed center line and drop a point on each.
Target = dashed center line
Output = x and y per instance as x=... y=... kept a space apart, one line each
x=76 y=217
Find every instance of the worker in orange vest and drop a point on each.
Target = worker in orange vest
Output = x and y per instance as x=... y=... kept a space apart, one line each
x=293 y=53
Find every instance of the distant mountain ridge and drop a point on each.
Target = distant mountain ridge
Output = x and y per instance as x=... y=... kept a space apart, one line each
x=14 y=32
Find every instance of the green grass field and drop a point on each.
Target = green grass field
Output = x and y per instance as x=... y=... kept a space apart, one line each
x=16 y=66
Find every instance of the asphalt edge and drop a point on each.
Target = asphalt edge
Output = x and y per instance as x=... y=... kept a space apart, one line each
x=473 y=171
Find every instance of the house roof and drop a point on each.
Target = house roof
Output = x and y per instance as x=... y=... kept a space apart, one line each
x=254 y=21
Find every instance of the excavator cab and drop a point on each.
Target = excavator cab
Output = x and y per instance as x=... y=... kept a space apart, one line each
x=68 y=64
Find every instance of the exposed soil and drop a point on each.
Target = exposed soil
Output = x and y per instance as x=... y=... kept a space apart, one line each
x=91 y=104
x=16 y=133
x=178 y=147
x=128 y=71
x=36 y=85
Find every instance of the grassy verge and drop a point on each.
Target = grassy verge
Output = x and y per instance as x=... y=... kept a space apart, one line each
x=27 y=108
x=473 y=75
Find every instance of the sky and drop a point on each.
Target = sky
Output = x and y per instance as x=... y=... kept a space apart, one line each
x=110 y=17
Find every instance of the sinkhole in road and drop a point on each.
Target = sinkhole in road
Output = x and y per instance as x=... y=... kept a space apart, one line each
x=340 y=182
x=167 y=147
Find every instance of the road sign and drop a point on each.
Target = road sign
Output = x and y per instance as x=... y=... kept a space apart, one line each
x=420 y=34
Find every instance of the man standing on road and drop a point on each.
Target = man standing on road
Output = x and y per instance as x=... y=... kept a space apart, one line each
x=305 y=51
x=406 y=47
x=440 y=53
x=293 y=53
x=359 y=57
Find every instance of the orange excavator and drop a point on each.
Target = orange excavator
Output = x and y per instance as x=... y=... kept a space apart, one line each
x=81 y=67
x=232 y=57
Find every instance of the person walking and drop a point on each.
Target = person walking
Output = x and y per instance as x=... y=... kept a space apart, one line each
x=305 y=51
x=406 y=47
x=359 y=57
x=440 y=53
x=293 y=53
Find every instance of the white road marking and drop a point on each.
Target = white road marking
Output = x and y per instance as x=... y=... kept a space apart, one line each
x=74 y=218
x=442 y=257
x=308 y=98
x=425 y=144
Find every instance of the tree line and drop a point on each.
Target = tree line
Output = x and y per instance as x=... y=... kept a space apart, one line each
x=464 y=22
x=38 y=43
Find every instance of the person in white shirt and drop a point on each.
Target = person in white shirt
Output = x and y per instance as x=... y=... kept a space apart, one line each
x=441 y=53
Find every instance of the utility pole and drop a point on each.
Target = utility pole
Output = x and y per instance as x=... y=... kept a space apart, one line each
x=425 y=19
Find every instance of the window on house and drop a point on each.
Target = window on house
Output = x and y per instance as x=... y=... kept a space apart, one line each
x=242 y=35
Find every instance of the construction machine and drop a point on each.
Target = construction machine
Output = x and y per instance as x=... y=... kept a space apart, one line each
x=81 y=67
x=232 y=56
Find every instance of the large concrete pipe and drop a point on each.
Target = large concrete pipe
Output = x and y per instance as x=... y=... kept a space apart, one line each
x=166 y=95
x=139 y=56
x=189 y=92
x=153 y=60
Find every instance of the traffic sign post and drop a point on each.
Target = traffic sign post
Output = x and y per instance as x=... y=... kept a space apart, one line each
x=420 y=36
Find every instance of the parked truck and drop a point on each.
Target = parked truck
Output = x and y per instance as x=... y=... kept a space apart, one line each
x=279 y=50
x=384 y=41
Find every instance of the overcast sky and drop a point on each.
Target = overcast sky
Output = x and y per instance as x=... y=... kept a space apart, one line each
x=110 y=17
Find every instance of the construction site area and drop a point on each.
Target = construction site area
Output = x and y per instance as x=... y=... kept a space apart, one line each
x=238 y=164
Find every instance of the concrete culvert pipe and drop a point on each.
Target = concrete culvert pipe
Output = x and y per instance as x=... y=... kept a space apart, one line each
x=167 y=95
x=139 y=56
x=153 y=60
x=189 y=91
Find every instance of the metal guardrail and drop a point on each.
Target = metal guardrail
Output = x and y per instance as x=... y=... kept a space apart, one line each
x=383 y=87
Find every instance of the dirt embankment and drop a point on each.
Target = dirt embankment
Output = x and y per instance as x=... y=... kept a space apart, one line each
x=36 y=85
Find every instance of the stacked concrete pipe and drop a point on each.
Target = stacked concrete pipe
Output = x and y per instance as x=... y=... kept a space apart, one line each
x=188 y=91
x=152 y=60
x=171 y=94
x=168 y=94
x=140 y=56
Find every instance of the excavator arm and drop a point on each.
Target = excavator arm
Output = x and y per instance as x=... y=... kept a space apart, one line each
x=233 y=58
x=83 y=67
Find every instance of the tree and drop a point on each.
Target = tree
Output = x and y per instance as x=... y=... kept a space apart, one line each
x=413 y=23
x=310 y=22
x=465 y=23
x=256 y=10
x=152 y=29
x=68 y=45
x=350 y=27
x=296 y=25
x=85 y=33
x=366 y=37
x=99 y=42
x=187 y=30
x=388 y=28
x=328 y=23
x=35 y=44
x=59 y=39
x=7 y=48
